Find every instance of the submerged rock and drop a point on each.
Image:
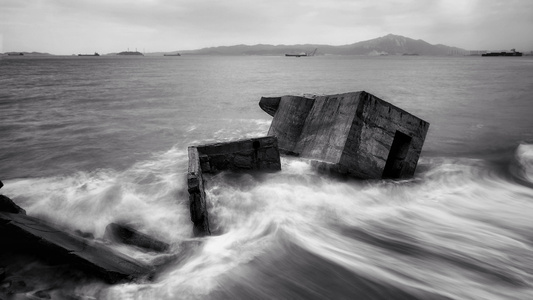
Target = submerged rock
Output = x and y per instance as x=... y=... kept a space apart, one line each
x=356 y=133
x=21 y=233
x=42 y=295
x=7 y=205
x=127 y=235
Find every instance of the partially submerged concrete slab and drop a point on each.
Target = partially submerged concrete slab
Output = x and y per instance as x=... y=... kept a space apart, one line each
x=355 y=133
x=122 y=233
x=248 y=154
x=18 y=231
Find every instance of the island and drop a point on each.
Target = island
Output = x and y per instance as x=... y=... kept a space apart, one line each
x=130 y=53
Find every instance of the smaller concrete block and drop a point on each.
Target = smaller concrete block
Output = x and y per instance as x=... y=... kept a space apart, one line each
x=193 y=183
x=261 y=154
x=195 y=186
x=218 y=162
x=272 y=154
x=237 y=155
x=243 y=161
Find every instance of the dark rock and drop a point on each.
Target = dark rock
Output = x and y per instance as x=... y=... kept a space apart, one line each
x=7 y=205
x=2 y=274
x=83 y=234
x=356 y=133
x=42 y=295
x=15 y=286
x=23 y=233
x=125 y=234
x=1 y=184
x=249 y=154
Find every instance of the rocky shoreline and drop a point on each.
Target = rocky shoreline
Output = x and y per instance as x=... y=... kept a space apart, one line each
x=31 y=248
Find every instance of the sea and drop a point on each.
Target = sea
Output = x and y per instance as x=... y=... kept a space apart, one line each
x=86 y=141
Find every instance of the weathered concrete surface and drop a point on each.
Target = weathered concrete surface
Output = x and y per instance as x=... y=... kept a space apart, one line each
x=270 y=104
x=355 y=133
x=197 y=202
x=121 y=233
x=37 y=237
x=249 y=154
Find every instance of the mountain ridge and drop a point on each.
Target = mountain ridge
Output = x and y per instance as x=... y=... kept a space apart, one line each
x=389 y=44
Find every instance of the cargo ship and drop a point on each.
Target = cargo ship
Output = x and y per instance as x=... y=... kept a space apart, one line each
x=503 y=53
x=95 y=54
x=301 y=54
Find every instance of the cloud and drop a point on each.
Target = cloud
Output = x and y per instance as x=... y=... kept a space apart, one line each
x=71 y=26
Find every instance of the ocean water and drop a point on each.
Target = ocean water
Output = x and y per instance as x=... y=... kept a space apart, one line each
x=86 y=141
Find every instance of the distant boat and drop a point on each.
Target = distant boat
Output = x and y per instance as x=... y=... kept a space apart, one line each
x=15 y=54
x=301 y=54
x=130 y=53
x=95 y=54
x=172 y=54
x=410 y=54
x=503 y=53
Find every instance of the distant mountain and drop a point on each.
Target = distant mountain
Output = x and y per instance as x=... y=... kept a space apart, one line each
x=396 y=45
x=387 y=45
x=27 y=53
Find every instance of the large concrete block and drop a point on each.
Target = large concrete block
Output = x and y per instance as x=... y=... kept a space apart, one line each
x=249 y=154
x=353 y=133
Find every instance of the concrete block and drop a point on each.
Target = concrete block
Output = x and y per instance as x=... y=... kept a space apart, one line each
x=356 y=133
x=260 y=154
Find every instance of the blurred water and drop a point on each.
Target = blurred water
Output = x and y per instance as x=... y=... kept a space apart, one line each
x=88 y=141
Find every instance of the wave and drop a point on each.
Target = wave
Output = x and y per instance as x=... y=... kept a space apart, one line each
x=522 y=166
x=460 y=229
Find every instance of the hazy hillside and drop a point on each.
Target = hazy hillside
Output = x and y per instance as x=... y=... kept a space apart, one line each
x=395 y=45
x=386 y=45
x=26 y=53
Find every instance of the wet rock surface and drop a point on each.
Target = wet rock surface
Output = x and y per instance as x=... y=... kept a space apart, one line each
x=122 y=233
x=7 y=205
x=34 y=237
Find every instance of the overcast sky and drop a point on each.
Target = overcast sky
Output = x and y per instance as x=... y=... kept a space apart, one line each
x=85 y=26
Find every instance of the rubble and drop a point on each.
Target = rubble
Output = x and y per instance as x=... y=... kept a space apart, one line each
x=37 y=237
x=249 y=154
x=125 y=234
x=7 y=205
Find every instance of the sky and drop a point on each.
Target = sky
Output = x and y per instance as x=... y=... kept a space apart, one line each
x=106 y=26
